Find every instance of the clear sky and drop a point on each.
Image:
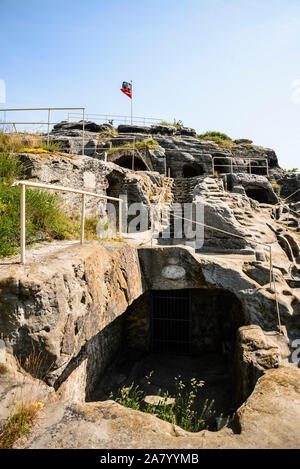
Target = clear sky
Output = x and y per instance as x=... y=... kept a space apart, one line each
x=225 y=65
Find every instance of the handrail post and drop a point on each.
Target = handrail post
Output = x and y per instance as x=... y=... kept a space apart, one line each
x=267 y=166
x=231 y=165
x=133 y=154
x=213 y=165
x=83 y=128
x=82 y=219
x=22 y=222
x=48 y=131
x=250 y=166
x=120 y=218
x=270 y=255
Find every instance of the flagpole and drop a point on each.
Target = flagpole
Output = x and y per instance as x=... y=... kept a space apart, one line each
x=131 y=102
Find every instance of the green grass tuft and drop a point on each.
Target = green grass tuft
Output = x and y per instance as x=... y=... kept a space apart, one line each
x=218 y=137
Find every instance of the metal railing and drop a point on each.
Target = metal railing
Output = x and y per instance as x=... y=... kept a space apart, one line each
x=23 y=185
x=268 y=246
x=134 y=151
x=108 y=118
x=48 y=122
x=247 y=165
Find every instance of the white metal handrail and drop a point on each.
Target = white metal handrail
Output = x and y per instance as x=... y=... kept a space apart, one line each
x=48 y=123
x=248 y=160
x=118 y=118
x=23 y=185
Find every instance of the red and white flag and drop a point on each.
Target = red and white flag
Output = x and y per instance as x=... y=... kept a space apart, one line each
x=127 y=89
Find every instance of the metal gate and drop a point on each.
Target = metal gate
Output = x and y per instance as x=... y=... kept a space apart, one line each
x=171 y=321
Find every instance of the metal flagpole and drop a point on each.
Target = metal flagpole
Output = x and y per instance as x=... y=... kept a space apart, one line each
x=131 y=100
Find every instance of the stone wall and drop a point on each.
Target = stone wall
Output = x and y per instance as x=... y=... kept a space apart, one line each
x=63 y=304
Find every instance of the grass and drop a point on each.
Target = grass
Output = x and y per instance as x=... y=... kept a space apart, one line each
x=25 y=401
x=176 y=123
x=18 y=424
x=26 y=143
x=275 y=185
x=143 y=145
x=219 y=138
x=107 y=133
x=45 y=217
x=181 y=411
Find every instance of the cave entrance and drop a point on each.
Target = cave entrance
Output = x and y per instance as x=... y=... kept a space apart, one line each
x=192 y=170
x=186 y=332
x=260 y=194
x=125 y=161
x=171 y=321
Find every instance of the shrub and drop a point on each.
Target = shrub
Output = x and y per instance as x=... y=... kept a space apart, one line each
x=219 y=138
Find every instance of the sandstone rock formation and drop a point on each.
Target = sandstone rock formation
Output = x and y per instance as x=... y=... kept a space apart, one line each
x=78 y=305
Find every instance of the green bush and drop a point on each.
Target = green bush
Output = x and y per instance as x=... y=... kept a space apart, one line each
x=218 y=137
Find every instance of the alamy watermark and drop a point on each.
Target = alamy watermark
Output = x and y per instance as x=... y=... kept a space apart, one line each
x=2 y=351
x=164 y=221
x=2 y=92
x=296 y=353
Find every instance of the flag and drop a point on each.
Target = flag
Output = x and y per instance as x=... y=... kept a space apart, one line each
x=127 y=89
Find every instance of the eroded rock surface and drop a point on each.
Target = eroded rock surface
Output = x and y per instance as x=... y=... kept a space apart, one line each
x=270 y=418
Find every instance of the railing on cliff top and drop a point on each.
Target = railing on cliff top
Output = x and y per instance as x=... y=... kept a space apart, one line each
x=48 y=123
x=112 y=118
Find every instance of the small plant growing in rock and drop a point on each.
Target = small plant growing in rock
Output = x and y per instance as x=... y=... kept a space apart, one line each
x=179 y=409
x=293 y=170
x=25 y=399
x=131 y=397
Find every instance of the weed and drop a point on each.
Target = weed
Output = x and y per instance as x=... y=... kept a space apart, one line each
x=294 y=170
x=25 y=402
x=180 y=409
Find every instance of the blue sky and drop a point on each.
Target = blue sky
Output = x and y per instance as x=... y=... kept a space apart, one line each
x=224 y=65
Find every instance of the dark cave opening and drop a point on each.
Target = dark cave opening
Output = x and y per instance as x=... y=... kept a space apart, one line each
x=192 y=170
x=126 y=161
x=222 y=165
x=259 y=194
x=191 y=333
